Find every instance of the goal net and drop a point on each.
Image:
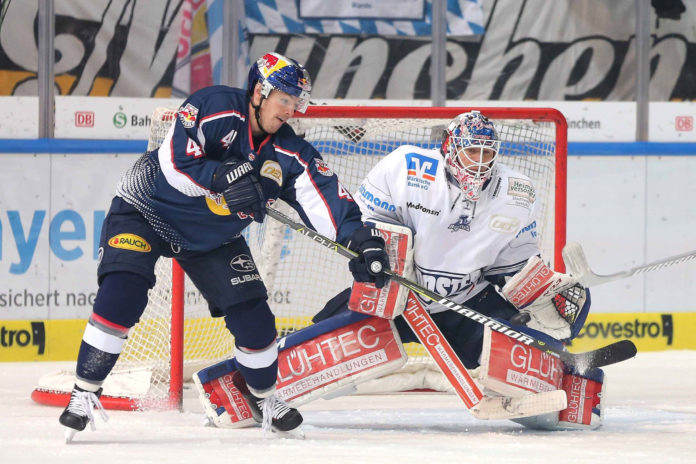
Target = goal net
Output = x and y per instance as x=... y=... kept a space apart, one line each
x=176 y=334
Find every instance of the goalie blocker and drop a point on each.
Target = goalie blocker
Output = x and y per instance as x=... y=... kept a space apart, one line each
x=389 y=301
x=513 y=369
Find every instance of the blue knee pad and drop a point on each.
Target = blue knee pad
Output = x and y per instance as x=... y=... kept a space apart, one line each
x=252 y=323
x=122 y=298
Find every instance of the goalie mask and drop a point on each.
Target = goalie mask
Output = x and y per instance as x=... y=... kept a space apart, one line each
x=470 y=146
x=278 y=72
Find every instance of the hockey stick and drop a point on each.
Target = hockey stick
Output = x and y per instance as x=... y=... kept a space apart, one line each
x=610 y=354
x=577 y=265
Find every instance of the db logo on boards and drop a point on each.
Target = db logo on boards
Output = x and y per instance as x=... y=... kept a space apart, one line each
x=84 y=119
x=684 y=123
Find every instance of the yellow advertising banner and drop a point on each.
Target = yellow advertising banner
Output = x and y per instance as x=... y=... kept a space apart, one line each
x=59 y=340
x=649 y=331
x=50 y=340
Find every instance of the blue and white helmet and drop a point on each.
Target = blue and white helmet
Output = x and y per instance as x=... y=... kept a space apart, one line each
x=468 y=130
x=276 y=71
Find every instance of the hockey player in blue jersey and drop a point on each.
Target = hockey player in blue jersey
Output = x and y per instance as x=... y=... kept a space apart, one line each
x=228 y=154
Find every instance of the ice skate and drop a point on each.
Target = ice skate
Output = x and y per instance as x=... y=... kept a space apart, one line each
x=272 y=413
x=79 y=412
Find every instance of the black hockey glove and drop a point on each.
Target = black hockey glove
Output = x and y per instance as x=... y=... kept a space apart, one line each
x=370 y=265
x=241 y=189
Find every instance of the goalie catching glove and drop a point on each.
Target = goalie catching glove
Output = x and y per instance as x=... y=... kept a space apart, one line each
x=550 y=302
x=240 y=188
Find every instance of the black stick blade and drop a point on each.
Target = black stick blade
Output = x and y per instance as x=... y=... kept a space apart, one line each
x=604 y=356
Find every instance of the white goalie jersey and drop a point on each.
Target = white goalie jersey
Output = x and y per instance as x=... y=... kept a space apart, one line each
x=457 y=242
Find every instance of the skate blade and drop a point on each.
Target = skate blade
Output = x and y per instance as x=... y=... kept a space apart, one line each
x=295 y=434
x=69 y=434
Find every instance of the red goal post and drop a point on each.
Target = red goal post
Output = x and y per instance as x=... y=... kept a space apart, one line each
x=176 y=336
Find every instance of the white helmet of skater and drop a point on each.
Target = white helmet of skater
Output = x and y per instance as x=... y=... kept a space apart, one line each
x=470 y=146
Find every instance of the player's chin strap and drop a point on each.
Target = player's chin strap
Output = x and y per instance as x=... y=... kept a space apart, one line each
x=257 y=112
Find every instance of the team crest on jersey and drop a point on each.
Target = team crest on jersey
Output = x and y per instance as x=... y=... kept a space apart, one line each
x=463 y=223
x=188 y=115
x=273 y=171
x=323 y=167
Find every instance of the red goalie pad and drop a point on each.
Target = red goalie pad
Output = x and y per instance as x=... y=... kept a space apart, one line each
x=511 y=368
x=584 y=401
x=319 y=360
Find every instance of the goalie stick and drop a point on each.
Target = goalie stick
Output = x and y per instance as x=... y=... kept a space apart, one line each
x=609 y=354
x=577 y=265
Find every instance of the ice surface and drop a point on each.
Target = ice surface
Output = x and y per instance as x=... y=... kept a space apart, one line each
x=651 y=418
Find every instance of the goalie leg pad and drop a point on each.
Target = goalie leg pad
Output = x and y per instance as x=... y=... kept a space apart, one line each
x=513 y=369
x=585 y=410
x=317 y=361
x=224 y=404
x=390 y=300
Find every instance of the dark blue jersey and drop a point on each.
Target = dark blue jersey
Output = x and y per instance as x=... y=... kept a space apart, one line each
x=171 y=186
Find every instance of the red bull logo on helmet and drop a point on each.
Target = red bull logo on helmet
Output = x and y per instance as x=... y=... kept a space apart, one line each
x=303 y=83
x=270 y=63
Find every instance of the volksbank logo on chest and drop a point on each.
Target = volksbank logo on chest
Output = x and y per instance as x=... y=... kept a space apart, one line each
x=421 y=170
x=372 y=200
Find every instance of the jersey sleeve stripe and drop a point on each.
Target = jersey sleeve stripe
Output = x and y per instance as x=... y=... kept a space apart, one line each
x=222 y=114
x=505 y=269
x=177 y=179
x=311 y=198
x=213 y=117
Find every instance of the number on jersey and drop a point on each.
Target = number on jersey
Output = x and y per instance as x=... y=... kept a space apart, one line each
x=344 y=193
x=227 y=140
x=193 y=149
